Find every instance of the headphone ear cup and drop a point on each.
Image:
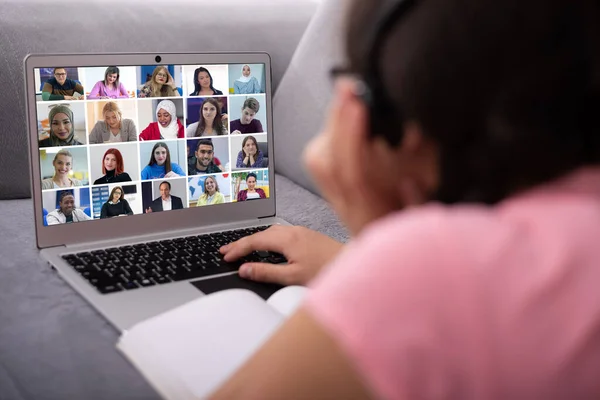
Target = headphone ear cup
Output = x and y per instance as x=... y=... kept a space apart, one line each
x=384 y=120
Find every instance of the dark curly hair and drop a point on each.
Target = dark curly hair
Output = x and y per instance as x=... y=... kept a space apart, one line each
x=507 y=90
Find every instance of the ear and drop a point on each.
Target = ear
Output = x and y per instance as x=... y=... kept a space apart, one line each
x=420 y=166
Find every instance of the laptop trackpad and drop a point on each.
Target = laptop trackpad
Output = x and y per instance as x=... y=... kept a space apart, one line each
x=208 y=286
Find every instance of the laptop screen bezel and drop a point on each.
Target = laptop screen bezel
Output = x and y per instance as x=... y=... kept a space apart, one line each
x=188 y=218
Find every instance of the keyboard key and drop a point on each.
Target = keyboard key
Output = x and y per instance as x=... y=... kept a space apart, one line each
x=109 y=289
x=160 y=262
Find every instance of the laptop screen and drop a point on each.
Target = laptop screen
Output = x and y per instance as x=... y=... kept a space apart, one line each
x=117 y=141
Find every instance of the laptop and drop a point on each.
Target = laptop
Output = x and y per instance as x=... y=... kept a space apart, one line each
x=142 y=165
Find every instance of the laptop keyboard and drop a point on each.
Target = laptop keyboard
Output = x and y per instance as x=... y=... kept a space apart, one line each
x=147 y=264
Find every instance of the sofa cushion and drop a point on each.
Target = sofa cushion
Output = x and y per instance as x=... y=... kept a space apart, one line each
x=53 y=345
x=301 y=100
x=94 y=26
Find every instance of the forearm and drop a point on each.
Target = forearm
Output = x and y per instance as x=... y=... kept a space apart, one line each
x=79 y=88
x=123 y=91
x=49 y=96
x=95 y=92
x=313 y=368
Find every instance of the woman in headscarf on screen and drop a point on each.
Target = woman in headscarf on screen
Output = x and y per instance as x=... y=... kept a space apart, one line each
x=62 y=131
x=167 y=125
x=246 y=84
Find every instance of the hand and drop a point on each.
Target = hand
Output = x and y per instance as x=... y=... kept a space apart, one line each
x=307 y=251
x=224 y=117
x=67 y=97
x=246 y=159
x=148 y=210
x=236 y=132
x=252 y=159
x=330 y=160
x=171 y=81
x=171 y=174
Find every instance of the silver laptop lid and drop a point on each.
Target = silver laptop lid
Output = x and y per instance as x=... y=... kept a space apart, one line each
x=124 y=145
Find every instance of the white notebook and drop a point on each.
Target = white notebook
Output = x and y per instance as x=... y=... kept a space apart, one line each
x=188 y=352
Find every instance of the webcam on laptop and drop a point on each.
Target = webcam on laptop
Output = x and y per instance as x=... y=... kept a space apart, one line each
x=157 y=59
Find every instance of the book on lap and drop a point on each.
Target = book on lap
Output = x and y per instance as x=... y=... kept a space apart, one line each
x=189 y=351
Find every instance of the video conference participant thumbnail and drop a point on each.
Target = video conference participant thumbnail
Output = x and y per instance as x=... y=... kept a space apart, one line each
x=160 y=164
x=248 y=121
x=113 y=166
x=203 y=161
x=113 y=127
x=212 y=193
x=166 y=201
x=210 y=116
x=63 y=165
x=60 y=87
x=254 y=189
x=204 y=83
x=250 y=155
x=247 y=82
x=61 y=122
x=117 y=205
x=110 y=87
x=66 y=212
x=166 y=125
x=160 y=84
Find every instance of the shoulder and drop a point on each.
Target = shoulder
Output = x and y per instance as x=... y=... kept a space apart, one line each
x=47 y=183
x=217 y=92
x=100 y=125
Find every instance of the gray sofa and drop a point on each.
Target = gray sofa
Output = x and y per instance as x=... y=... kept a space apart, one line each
x=53 y=345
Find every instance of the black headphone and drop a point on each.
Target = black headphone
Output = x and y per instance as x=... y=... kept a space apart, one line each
x=371 y=89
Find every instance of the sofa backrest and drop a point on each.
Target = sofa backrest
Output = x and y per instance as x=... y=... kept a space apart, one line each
x=94 y=26
x=301 y=101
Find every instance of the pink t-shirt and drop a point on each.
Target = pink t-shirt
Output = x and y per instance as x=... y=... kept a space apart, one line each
x=472 y=301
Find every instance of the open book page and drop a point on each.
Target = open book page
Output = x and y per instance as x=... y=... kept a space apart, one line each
x=288 y=299
x=187 y=352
